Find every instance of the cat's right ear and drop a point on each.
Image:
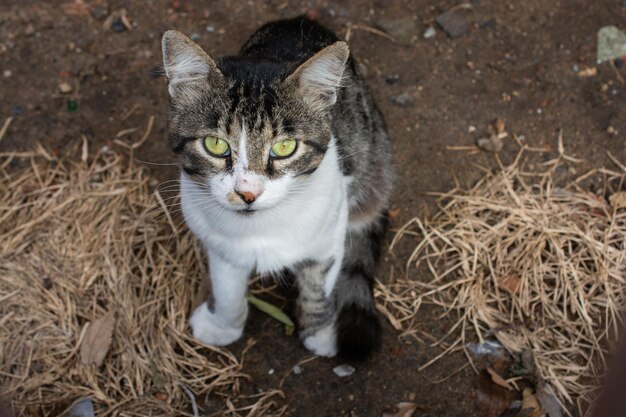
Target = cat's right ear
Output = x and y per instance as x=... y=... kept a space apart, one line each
x=186 y=63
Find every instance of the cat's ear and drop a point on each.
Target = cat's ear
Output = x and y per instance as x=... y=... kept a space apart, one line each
x=185 y=62
x=318 y=79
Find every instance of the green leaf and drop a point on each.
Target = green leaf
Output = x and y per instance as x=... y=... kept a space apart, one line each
x=274 y=312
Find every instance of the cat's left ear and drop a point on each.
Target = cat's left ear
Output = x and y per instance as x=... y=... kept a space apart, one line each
x=185 y=62
x=318 y=79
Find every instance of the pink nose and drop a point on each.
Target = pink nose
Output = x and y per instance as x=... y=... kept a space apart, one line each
x=247 y=196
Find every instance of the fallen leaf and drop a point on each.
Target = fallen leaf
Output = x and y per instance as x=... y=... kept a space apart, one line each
x=510 y=283
x=274 y=312
x=491 y=399
x=97 y=340
x=530 y=405
x=497 y=379
x=618 y=200
x=158 y=379
x=404 y=409
x=75 y=8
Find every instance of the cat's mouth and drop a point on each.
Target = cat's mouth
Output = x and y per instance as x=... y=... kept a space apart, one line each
x=246 y=211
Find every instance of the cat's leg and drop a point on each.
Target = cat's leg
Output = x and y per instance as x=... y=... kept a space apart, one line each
x=357 y=326
x=223 y=322
x=316 y=305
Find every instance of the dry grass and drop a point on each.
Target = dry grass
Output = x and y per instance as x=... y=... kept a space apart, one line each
x=77 y=241
x=539 y=266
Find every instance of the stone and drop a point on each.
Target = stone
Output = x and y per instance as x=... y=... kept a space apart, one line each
x=454 y=23
x=429 y=33
x=611 y=43
x=403 y=99
x=65 y=88
x=99 y=12
x=402 y=28
x=343 y=370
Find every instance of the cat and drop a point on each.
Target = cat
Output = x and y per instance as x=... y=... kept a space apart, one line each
x=285 y=166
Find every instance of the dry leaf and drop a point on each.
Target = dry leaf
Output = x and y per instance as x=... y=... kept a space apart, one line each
x=401 y=410
x=510 y=283
x=497 y=379
x=75 y=8
x=97 y=340
x=491 y=399
x=530 y=405
x=618 y=200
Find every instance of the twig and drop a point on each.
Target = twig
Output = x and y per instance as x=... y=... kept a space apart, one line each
x=140 y=142
x=5 y=127
x=617 y=73
x=192 y=398
x=616 y=161
x=375 y=31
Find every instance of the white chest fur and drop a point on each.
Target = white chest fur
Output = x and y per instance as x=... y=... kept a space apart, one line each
x=309 y=224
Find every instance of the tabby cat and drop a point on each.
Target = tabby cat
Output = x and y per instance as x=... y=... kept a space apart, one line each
x=285 y=166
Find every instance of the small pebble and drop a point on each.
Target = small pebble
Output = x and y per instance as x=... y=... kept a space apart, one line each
x=343 y=370
x=99 y=12
x=402 y=99
x=210 y=29
x=392 y=79
x=297 y=370
x=271 y=372
x=488 y=24
x=118 y=26
x=611 y=130
x=65 y=88
x=429 y=33
x=30 y=29
x=83 y=408
x=195 y=36
x=7 y=73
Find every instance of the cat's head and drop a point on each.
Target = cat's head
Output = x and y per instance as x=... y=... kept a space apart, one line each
x=249 y=130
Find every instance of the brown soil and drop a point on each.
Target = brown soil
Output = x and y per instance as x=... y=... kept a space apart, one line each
x=516 y=63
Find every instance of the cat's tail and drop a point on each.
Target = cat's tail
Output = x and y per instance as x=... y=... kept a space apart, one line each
x=357 y=326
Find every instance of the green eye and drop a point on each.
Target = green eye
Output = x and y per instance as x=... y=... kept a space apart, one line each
x=284 y=148
x=216 y=146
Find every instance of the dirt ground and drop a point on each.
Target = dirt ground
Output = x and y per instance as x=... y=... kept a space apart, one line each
x=519 y=62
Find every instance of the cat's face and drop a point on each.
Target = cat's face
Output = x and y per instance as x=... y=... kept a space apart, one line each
x=249 y=131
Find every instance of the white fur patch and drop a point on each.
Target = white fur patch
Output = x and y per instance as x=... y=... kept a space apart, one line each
x=323 y=342
x=304 y=218
x=210 y=329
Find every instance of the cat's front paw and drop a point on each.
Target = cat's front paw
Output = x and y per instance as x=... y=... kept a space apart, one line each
x=210 y=329
x=323 y=342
